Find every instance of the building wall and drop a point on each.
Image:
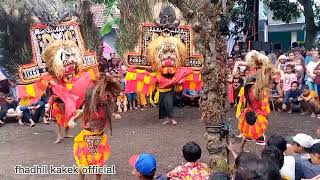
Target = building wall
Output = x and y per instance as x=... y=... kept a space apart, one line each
x=285 y=38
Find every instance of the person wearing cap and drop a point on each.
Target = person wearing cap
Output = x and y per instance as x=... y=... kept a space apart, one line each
x=309 y=168
x=192 y=169
x=300 y=143
x=281 y=64
x=145 y=166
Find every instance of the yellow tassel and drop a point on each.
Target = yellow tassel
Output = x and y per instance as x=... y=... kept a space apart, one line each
x=30 y=90
x=92 y=74
x=69 y=86
x=147 y=79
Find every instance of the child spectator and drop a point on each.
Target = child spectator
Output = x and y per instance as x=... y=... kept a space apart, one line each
x=311 y=100
x=145 y=166
x=309 y=168
x=277 y=95
x=281 y=64
x=291 y=58
x=288 y=77
x=287 y=170
x=122 y=102
x=230 y=63
x=192 y=169
x=299 y=69
x=310 y=71
x=132 y=98
x=291 y=97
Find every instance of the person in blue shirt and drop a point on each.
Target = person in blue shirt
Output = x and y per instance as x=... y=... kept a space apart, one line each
x=308 y=57
x=191 y=97
x=291 y=98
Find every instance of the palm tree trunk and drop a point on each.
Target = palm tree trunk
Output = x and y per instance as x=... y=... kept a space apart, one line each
x=207 y=25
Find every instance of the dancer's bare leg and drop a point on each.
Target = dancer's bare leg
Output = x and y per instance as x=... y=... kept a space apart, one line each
x=98 y=176
x=166 y=121
x=58 y=132
x=243 y=142
x=174 y=122
x=67 y=133
x=45 y=120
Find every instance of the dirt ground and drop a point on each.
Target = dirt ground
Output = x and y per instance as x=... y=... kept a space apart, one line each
x=138 y=131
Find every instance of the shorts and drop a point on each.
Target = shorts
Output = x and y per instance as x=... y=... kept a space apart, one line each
x=132 y=97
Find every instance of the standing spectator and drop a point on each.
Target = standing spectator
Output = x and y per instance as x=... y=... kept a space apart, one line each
x=310 y=71
x=299 y=69
x=316 y=70
x=288 y=78
x=291 y=58
x=308 y=57
x=291 y=98
x=230 y=63
x=192 y=169
x=114 y=66
x=281 y=64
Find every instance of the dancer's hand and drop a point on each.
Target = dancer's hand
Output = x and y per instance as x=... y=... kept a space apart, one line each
x=71 y=124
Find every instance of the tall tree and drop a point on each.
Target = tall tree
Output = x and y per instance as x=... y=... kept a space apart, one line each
x=208 y=18
x=286 y=10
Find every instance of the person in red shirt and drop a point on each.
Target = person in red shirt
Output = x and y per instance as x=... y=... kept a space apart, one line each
x=192 y=169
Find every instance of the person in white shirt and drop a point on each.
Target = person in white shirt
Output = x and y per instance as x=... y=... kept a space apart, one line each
x=288 y=169
x=310 y=68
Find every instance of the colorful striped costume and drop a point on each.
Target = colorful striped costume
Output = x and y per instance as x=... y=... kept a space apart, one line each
x=262 y=110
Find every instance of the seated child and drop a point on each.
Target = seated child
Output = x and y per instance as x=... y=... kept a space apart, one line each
x=122 y=102
x=311 y=100
x=192 y=169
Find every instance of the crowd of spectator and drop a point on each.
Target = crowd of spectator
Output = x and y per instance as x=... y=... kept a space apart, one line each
x=296 y=89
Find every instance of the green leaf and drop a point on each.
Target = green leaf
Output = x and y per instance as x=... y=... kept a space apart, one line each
x=106 y=29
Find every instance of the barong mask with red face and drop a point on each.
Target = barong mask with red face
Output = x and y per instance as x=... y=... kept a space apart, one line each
x=166 y=53
x=64 y=59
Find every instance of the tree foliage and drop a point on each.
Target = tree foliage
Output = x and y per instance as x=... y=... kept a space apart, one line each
x=286 y=11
